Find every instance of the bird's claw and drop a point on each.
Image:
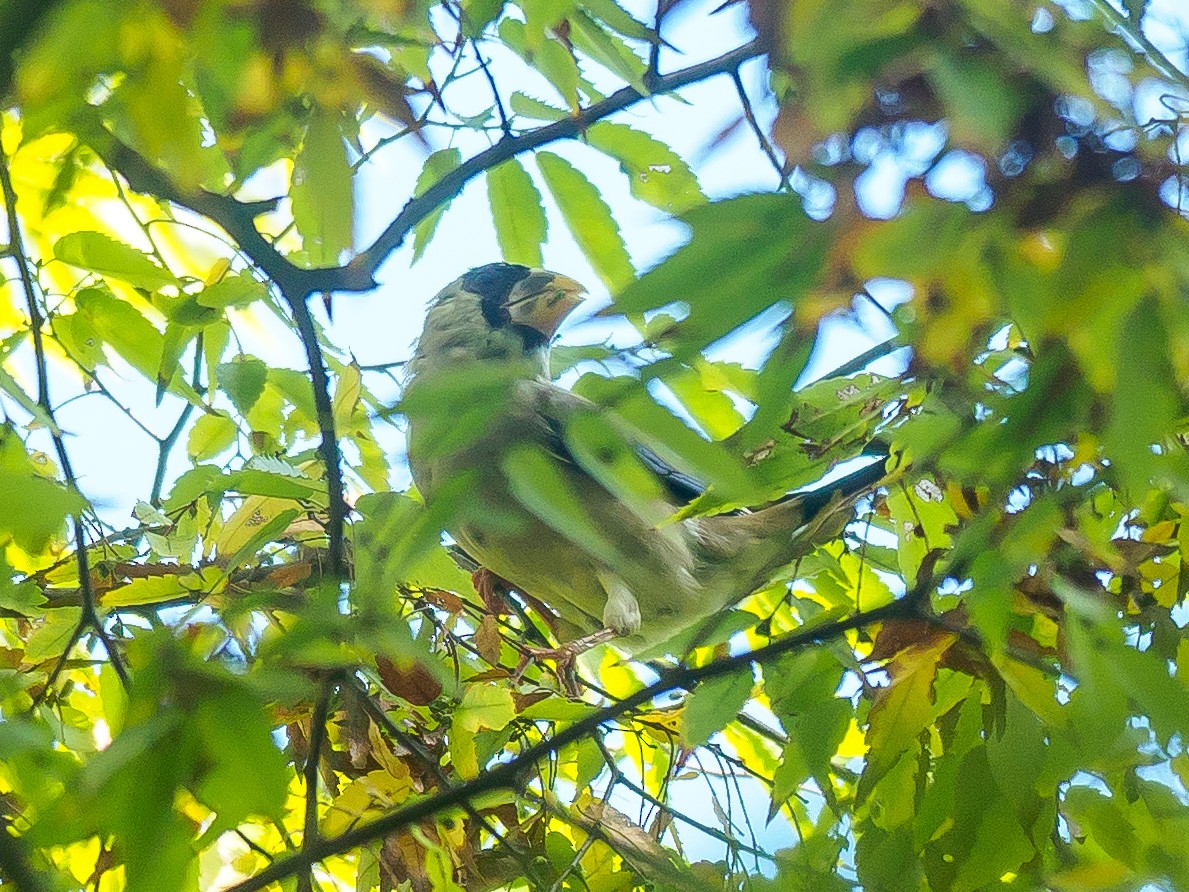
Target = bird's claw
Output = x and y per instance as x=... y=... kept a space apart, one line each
x=565 y=657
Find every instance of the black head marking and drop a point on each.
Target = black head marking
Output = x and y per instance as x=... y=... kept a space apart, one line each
x=493 y=283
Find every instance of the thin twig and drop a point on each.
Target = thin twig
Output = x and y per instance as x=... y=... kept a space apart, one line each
x=761 y=137
x=505 y=125
x=237 y=217
x=90 y=617
x=165 y=444
x=511 y=774
x=310 y=774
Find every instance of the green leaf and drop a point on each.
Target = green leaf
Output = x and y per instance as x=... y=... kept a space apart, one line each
x=536 y=483
x=346 y=395
x=238 y=290
x=527 y=106
x=608 y=50
x=399 y=540
x=252 y=481
x=52 y=635
x=242 y=380
x=323 y=200
x=1145 y=403
x=520 y=223
x=589 y=219
x=247 y=773
x=784 y=250
x=655 y=426
x=656 y=174
x=538 y=47
x=436 y=166
x=903 y=709
x=121 y=326
x=102 y=254
x=613 y=15
x=33 y=509
x=485 y=705
x=149 y=590
x=478 y=14
x=212 y=434
x=714 y=704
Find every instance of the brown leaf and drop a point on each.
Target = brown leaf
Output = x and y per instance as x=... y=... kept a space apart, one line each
x=488 y=640
x=410 y=681
x=896 y=635
x=444 y=600
x=290 y=574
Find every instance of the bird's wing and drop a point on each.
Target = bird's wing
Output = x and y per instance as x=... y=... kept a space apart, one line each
x=556 y=405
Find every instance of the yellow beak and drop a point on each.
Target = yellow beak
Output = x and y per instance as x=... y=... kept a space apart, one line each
x=542 y=300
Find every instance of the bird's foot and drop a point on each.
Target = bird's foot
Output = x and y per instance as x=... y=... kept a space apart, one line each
x=565 y=657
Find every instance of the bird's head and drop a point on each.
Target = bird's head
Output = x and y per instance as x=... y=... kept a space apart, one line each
x=497 y=311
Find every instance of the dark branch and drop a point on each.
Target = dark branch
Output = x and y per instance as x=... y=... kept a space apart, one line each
x=417 y=209
x=90 y=617
x=238 y=218
x=328 y=447
x=510 y=775
x=315 y=740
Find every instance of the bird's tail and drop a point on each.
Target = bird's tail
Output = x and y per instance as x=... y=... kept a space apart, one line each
x=757 y=544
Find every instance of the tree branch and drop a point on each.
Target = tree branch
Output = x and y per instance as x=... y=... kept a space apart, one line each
x=90 y=617
x=510 y=775
x=237 y=218
x=417 y=209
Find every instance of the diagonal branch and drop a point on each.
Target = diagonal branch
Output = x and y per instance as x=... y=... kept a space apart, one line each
x=90 y=617
x=238 y=217
x=417 y=209
x=510 y=775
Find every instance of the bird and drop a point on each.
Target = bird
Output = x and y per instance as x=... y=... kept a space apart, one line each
x=479 y=399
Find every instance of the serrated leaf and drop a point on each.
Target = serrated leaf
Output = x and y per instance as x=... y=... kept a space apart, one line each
x=530 y=107
x=608 y=50
x=100 y=253
x=149 y=590
x=346 y=395
x=656 y=174
x=784 y=249
x=589 y=219
x=485 y=706
x=242 y=380
x=255 y=521
x=212 y=433
x=250 y=481
x=615 y=16
x=436 y=166
x=322 y=191
x=903 y=709
x=520 y=222
x=237 y=290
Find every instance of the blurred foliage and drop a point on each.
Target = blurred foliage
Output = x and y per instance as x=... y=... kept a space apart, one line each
x=205 y=700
